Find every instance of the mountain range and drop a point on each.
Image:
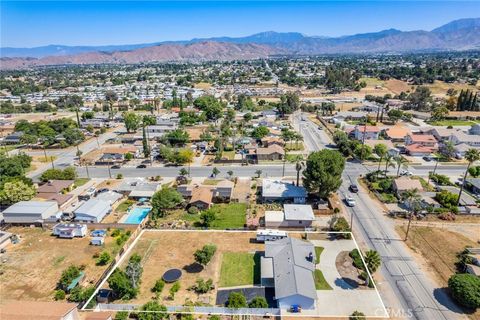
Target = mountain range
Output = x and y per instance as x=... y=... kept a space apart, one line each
x=458 y=35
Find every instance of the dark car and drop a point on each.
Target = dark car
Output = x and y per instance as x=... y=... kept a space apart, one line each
x=353 y=188
x=428 y=159
x=115 y=166
x=103 y=190
x=141 y=166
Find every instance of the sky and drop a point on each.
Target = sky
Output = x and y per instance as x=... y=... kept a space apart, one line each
x=37 y=23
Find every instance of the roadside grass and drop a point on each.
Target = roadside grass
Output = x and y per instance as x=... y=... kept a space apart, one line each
x=211 y=182
x=318 y=252
x=80 y=182
x=294 y=146
x=230 y=155
x=320 y=282
x=123 y=207
x=42 y=159
x=232 y=215
x=453 y=123
x=239 y=268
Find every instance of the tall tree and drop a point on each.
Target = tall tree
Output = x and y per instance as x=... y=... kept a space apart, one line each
x=323 y=172
x=412 y=199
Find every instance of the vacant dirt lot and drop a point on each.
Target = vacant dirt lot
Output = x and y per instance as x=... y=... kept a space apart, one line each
x=164 y=250
x=30 y=269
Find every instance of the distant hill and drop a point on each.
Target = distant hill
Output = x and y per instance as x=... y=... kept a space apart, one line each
x=457 y=35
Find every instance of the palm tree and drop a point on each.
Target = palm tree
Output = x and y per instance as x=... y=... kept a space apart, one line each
x=373 y=260
x=388 y=162
x=380 y=150
x=230 y=174
x=471 y=155
x=258 y=173
x=412 y=199
x=298 y=168
x=401 y=163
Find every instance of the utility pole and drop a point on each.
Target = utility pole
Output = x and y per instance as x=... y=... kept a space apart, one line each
x=363 y=138
x=434 y=169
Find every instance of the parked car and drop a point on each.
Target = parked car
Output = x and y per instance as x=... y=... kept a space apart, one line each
x=103 y=190
x=353 y=188
x=116 y=166
x=141 y=166
x=406 y=173
x=428 y=159
x=350 y=201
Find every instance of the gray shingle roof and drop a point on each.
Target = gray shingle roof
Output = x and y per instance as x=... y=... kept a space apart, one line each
x=298 y=212
x=281 y=189
x=293 y=273
x=30 y=207
x=93 y=208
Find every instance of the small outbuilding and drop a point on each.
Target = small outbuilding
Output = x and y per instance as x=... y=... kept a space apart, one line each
x=292 y=216
x=92 y=211
x=32 y=212
x=70 y=230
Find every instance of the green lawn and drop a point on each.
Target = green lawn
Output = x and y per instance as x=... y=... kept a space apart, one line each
x=230 y=155
x=239 y=268
x=320 y=282
x=232 y=215
x=80 y=182
x=211 y=182
x=453 y=123
x=318 y=252
x=294 y=146
x=122 y=207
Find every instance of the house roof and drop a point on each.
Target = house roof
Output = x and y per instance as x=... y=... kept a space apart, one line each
x=367 y=129
x=273 y=148
x=30 y=207
x=298 y=212
x=415 y=147
x=274 y=216
x=372 y=143
x=272 y=188
x=93 y=208
x=58 y=197
x=405 y=183
x=225 y=184
x=474 y=182
x=35 y=310
x=293 y=273
x=110 y=196
x=201 y=194
x=54 y=186
x=422 y=138
x=397 y=132
x=103 y=315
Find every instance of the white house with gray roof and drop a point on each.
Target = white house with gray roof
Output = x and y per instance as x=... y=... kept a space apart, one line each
x=92 y=211
x=288 y=266
x=282 y=191
x=292 y=216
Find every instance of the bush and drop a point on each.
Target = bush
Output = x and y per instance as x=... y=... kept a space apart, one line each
x=204 y=255
x=236 y=300
x=357 y=259
x=465 y=289
x=119 y=176
x=440 y=179
x=174 y=289
x=357 y=315
x=103 y=258
x=447 y=199
x=258 y=302
x=202 y=286
x=59 y=295
x=68 y=275
x=388 y=198
x=121 y=315
x=341 y=225
x=207 y=217
x=158 y=287
x=192 y=210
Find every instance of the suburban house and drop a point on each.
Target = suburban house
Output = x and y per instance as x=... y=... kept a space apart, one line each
x=138 y=189
x=288 y=266
x=442 y=134
x=63 y=200
x=270 y=153
x=402 y=184
x=473 y=184
x=292 y=216
x=115 y=155
x=32 y=212
x=420 y=144
x=111 y=197
x=56 y=186
x=370 y=132
x=348 y=115
x=222 y=191
x=201 y=198
x=158 y=130
x=70 y=230
x=469 y=139
x=28 y=310
x=268 y=141
x=92 y=211
x=388 y=143
x=282 y=191
x=397 y=133
x=13 y=138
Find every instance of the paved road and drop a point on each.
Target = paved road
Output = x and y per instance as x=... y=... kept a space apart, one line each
x=417 y=295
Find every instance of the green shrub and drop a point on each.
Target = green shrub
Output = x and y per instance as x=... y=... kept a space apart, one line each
x=174 y=289
x=158 y=287
x=357 y=315
x=465 y=289
x=258 y=302
x=236 y=300
x=59 y=294
x=192 y=210
x=119 y=176
x=357 y=259
x=103 y=258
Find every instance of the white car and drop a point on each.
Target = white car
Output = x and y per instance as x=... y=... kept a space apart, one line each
x=406 y=173
x=350 y=201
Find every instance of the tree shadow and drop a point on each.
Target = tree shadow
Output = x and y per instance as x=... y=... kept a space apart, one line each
x=442 y=296
x=346 y=283
x=193 y=268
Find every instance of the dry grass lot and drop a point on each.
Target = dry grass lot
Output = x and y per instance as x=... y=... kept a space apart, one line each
x=164 y=250
x=438 y=247
x=30 y=270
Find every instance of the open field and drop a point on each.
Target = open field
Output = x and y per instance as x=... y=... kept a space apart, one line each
x=30 y=270
x=453 y=123
x=438 y=247
x=163 y=250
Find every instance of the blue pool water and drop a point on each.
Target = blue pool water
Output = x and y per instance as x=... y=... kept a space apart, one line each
x=137 y=215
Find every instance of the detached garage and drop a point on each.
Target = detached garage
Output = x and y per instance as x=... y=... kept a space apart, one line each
x=92 y=211
x=32 y=212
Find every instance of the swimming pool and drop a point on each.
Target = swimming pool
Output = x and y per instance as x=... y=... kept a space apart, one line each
x=137 y=215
